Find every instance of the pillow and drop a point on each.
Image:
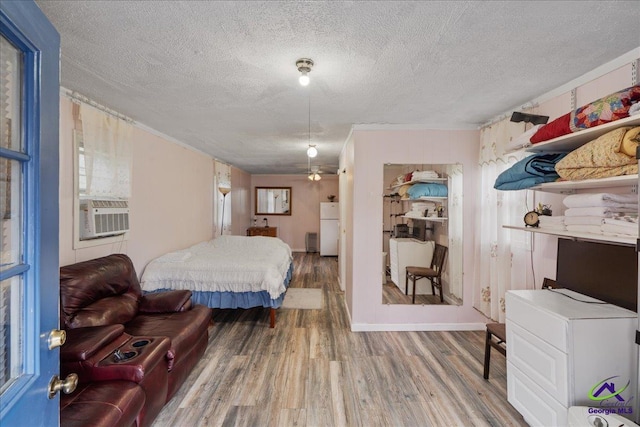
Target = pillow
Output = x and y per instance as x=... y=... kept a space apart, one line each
x=523 y=140
x=554 y=129
x=630 y=142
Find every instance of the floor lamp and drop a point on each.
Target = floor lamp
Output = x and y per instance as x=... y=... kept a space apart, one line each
x=224 y=191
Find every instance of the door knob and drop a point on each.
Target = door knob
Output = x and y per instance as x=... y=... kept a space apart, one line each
x=68 y=385
x=57 y=338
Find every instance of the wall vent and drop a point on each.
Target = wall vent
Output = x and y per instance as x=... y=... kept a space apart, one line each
x=100 y=218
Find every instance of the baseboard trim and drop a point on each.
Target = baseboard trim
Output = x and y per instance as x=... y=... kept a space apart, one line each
x=409 y=327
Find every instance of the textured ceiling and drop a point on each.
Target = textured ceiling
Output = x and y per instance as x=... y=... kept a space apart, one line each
x=221 y=76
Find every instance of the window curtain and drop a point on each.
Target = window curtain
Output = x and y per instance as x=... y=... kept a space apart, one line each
x=107 y=154
x=222 y=206
x=502 y=255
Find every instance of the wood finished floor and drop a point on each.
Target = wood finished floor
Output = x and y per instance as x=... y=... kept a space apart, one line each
x=311 y=370
x=392 y=295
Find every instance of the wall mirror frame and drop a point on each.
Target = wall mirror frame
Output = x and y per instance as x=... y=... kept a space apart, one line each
x=413 y=223
x=273 y=200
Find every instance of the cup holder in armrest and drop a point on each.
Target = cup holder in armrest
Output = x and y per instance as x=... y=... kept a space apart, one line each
x=119 y=356
x=140 y=343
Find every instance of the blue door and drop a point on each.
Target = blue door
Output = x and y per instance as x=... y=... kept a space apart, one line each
x=29 y=265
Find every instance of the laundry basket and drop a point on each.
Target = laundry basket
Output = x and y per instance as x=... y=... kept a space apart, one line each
x=311 y=240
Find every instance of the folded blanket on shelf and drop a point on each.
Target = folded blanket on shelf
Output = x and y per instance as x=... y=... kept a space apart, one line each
x=593 y=229
x=427 y=190
x=528 y=172
x=601 y=158
x=584 y=220
x=422 y=175
x=552 y=222
x=600 y=211
x=599 y=199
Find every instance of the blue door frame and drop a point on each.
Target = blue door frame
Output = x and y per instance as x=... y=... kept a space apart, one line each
x=26 y=401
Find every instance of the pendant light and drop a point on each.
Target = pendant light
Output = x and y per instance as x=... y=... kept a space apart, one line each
x=304 y=66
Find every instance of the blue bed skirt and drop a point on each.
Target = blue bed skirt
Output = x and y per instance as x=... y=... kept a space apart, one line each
x=240 y=299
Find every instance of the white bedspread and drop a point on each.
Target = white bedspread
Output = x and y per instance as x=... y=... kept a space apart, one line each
x=226 y=264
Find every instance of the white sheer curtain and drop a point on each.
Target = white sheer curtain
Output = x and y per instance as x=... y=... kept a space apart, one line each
x=107 y=154
x=502 y=255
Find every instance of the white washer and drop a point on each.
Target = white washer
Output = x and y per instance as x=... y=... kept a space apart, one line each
x=583 y=416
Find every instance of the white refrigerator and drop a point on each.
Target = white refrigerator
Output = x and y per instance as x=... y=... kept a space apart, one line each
x=329 y=228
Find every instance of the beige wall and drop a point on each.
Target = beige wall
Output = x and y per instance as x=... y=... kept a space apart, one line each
x=171 y=203
x=305 y=205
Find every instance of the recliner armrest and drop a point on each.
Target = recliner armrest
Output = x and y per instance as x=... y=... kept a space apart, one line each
x=165 y=302
x=82 y=343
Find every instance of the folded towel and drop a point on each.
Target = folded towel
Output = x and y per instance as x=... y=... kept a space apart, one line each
x=594 y=229
x=547 y=219
x=600 y=211
x=422 y=175
x=598 y=199
x=616 y=230
x=584 y=220
x=555 y=223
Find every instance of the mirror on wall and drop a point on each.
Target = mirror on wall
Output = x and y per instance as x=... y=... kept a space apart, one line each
x=273 y=201
x=422 y=221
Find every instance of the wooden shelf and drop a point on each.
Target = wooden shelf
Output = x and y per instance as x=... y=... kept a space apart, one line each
x=630 y=241
x=568 y=187
x=570 y=142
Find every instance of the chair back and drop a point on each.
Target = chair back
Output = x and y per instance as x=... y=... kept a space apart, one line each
x=439 y=257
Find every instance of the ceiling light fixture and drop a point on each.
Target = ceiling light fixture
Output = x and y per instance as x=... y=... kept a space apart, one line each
x=312 y=151
x=314 y=176
x=304 y=66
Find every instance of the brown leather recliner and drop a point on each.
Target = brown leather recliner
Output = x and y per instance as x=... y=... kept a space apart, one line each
x=116 y=334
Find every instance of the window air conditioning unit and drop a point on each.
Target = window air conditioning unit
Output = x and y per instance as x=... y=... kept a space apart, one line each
x=100 y=218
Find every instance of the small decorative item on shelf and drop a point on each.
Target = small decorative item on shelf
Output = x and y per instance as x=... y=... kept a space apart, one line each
x=266 y=222
x=440 y=210
x=331 y=198
x=544 y=209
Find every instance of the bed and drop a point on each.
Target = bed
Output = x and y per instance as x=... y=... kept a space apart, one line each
x=226 y=272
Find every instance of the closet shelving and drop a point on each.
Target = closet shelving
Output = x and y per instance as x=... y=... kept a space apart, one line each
x=568 y=143
x=437 y=200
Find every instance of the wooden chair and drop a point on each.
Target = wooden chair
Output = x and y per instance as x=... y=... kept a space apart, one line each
x=497 y=330
x=432 y=273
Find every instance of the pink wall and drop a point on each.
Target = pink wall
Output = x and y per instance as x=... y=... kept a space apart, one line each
x=305 y=209
x=371 y=150
x=171 y=204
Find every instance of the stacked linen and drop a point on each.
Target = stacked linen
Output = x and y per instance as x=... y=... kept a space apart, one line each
x=587 y=213
x=423 y=175
x=626 y=225
x=555 y=223
x=418 y=210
